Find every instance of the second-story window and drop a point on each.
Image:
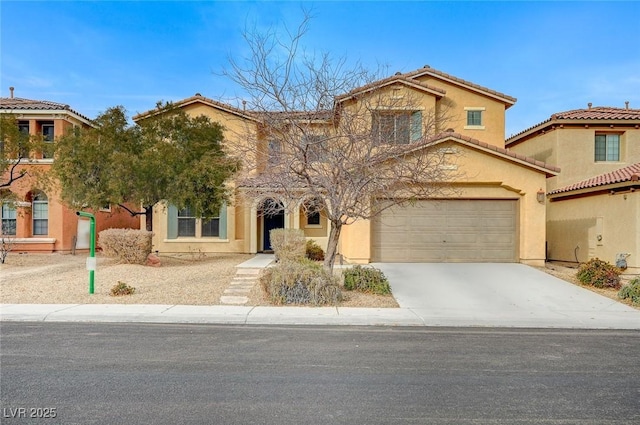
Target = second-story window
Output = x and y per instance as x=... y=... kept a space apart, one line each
x=313 y=147
x=396 y=127
x=607 y=147
x=274 y=151
x=23 y=150
x=47 y=137
x=475 y=117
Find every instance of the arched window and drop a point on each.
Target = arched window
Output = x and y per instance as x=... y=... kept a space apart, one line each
x=40 y=214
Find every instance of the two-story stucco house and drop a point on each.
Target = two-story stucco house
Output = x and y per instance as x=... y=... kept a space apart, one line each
x=495 y=214
x=593 y=205
x=35 y=220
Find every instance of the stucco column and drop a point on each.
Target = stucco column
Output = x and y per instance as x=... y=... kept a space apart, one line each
x=253 y=229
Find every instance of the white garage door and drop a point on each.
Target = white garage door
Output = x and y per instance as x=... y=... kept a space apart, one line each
x=447 y=231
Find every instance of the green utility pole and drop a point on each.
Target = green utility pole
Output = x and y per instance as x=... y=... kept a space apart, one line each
x=91 y=261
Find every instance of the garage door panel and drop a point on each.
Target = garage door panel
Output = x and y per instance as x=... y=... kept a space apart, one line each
x=447 y=231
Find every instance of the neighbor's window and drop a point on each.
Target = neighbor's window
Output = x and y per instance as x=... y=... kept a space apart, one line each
x=40 y=214
x=47 y=136
x=396 y=127
x=186 y=222
x=607 y=147
x=23 y=127
x=8 y=219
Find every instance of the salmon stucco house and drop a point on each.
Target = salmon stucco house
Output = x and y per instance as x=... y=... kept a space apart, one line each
x=34 y=220
x=496 y=214
x=593 y=207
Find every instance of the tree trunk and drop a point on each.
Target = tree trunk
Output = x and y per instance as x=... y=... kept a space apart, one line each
x=148 y=215
x=332 y=245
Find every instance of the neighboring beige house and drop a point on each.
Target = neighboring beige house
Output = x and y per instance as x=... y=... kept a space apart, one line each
x=496 y=214
x=593 y=205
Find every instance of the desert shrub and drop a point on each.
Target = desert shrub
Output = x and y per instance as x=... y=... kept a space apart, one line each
x=127 y=245
x=300 y=282
x=631 y=291
x=121 y=288
x=598 y=273
x=288 y=244
x=313 y=251
x=366 y=279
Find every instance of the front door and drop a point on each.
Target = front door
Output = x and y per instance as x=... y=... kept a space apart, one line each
x=275 y=221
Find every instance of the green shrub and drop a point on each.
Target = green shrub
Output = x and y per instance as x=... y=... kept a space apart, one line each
x=127 y=245
x=366 y=279
x=313 y=251
x=121 y=288
x=598 y=273
x=288 y=244
x=300 y=282
x=631 y=291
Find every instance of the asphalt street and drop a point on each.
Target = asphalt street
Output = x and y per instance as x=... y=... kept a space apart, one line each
x=88 y=373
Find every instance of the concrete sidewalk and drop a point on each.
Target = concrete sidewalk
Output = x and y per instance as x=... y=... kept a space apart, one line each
x=247 y=315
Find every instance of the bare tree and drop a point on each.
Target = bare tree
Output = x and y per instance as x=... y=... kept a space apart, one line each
x=345 y=141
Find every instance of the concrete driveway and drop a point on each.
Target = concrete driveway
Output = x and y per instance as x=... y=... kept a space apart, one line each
x=501 y=295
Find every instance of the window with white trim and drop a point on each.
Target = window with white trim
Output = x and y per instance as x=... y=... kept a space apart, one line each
x=40 y=214
x=607 y=147
x=186 y=222
x=8 y=219
x=475 y=117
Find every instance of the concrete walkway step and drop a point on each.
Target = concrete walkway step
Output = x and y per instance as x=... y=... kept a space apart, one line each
x=246 y=277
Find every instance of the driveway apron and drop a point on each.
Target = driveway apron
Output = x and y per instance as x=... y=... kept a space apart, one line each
x=487 y=294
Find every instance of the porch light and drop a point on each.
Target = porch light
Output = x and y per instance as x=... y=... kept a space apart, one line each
x=540 y=195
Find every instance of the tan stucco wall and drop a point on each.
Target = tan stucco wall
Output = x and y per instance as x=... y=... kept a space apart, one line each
x=574 y=225
x=458 y=98
x=572 y=149
x=484 y=177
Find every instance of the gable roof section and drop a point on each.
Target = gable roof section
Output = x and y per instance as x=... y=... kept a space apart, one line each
x=427 y=70
x=592 y=115
x=630 y=173
x=396 y=79
x=18 y=104
x=548 y=169
x=198 y=98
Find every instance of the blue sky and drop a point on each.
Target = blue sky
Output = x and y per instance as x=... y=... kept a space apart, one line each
x=552 y=56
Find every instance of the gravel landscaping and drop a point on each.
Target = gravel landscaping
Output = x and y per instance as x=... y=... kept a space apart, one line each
x=181 y=279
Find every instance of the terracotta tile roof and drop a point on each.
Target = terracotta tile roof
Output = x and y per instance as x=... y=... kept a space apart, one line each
x=594 y=113
x=20 y=104
x=431 y=71
x=625 y=174
x=199 y=98
x=598 y=113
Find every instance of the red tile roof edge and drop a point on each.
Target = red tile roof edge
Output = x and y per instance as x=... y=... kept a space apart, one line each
x=194 y=98
x=428 y=70
x=22 y=104
x=621 y=175
x=594 y=113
